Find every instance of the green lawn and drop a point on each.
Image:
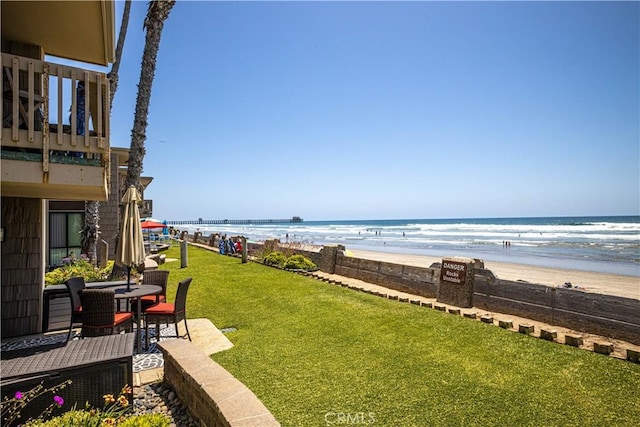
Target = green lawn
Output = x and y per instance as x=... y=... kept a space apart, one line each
x=312 y=351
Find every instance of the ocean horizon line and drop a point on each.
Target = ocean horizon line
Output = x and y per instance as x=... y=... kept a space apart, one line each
x=484 y=218
x=477 y=218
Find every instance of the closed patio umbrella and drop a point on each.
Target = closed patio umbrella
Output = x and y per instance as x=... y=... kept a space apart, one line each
x=130 y=249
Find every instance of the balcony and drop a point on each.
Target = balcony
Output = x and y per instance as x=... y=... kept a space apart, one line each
x=146 y=210
x=55 y=131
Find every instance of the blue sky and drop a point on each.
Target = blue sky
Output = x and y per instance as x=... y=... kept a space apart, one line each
x=375 y=110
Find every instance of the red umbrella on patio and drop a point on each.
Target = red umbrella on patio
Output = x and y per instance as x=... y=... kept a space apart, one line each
x=147 y=224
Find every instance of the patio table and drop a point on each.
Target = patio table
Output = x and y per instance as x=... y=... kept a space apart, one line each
x=124 y=292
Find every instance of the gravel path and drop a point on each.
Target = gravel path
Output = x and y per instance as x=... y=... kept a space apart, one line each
x=157 y=397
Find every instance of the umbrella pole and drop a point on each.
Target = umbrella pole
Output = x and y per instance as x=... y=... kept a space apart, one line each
x=128 y=279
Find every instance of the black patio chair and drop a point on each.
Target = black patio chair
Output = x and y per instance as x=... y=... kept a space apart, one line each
x=75 y=285
x=158 y=278
x=99 y=316
x=166 y=312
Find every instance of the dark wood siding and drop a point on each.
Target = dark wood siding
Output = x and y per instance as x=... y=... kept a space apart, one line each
x=21 y=266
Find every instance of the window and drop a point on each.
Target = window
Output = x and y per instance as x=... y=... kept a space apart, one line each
x=64 y=236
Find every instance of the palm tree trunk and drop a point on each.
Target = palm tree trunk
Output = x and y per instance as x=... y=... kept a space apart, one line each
x=91 y=227
x=157 y=13
x=115 y=68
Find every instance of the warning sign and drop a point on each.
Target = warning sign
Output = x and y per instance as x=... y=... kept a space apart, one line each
x=453 y=272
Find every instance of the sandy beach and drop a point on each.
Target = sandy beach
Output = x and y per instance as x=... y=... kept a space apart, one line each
x=608 y=284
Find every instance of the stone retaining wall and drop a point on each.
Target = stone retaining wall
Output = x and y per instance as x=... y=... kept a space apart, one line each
x=214 y=396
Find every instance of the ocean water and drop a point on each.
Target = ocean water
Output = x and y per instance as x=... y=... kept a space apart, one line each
x=607 y=244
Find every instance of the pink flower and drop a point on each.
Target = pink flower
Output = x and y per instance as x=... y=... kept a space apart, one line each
x=59 y=400
x=18 y=395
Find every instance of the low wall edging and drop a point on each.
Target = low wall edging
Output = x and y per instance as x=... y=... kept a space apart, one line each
x=212 y=394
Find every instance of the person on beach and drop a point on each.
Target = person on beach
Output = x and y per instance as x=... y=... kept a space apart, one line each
x=230 y=246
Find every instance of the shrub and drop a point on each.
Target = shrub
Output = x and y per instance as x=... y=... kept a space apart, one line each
x=78 y=268
x=300 y=262
x=146 y=420
x=270 y=246
x=275 y=258
x=114 y=413
x=92 y=418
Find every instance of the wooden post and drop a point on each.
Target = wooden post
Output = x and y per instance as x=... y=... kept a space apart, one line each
x=103 y=253
x=183 y=253
x=328 y=255
x=244 y=249
x=505 y=324
x=526 y=329
x=573 y=340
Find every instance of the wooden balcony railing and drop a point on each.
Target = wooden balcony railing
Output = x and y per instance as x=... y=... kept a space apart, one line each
x=53 y=112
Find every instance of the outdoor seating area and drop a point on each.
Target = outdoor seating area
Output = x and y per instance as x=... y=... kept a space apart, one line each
x=147 y=366
x=106 y=308
x=155 y=235
x=103 y=346
x=97 y=319
x=103 y=309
